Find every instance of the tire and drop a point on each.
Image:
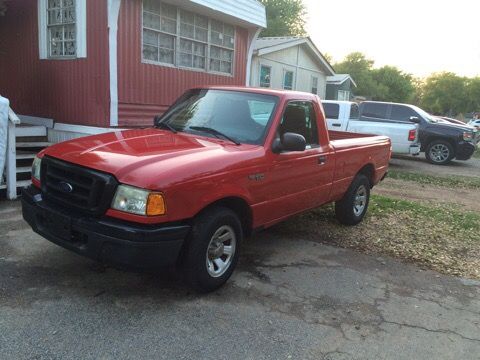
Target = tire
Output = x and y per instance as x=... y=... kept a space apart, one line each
x=201 y=266
x=439 y=152
x=354 y=204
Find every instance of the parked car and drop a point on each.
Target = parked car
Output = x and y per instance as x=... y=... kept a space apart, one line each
x=344 y=116
x=187 y=191
x=475 y=123
x=441 y=141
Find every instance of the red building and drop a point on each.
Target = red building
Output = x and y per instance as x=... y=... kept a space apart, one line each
x=109 y=63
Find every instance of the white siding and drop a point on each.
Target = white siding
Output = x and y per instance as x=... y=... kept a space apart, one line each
x=249 y=11
x=296 y=59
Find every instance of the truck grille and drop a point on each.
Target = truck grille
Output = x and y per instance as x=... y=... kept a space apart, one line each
x=76 y=187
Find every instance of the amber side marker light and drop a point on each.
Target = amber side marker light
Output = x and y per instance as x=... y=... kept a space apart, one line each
x=155 y=204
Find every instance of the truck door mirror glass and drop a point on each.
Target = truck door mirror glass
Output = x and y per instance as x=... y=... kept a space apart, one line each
x=289 y=142
x=414 y=119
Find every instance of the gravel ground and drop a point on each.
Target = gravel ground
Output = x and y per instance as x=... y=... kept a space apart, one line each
x=292 y=298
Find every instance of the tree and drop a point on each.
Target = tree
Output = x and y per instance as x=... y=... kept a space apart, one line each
x=473 y=95
x=393 y=85
x=284 y=18
x=360 y=69
x=445 y=93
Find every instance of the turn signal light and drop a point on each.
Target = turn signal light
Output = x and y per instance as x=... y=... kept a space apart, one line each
x=155 y=204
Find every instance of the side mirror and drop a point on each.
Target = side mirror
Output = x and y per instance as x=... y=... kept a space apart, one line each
x=289 y=142
x=156 y=120
x=414 y=119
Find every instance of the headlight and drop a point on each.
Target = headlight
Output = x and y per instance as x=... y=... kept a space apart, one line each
x=138 y=201
x=36 y=168
x=468 y=136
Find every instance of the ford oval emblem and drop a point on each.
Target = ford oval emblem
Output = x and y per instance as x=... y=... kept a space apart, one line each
x=65 y=187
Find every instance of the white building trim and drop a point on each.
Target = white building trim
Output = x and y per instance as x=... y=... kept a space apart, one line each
x=252 y=37
x=113 y=11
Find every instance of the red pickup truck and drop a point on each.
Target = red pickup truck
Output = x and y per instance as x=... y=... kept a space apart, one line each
x=221 y=163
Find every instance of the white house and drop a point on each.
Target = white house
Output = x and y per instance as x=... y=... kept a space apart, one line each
x=291 y=63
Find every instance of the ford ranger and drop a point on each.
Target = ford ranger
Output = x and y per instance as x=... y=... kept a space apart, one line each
x=221 y=163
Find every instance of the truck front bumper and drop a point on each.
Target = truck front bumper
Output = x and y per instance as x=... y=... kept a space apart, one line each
x=465 y=150
x=104 y=239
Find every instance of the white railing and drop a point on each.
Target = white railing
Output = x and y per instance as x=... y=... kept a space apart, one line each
x=11 y=161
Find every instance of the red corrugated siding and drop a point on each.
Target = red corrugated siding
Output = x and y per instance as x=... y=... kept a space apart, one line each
x=70 y=91
x=144 y=89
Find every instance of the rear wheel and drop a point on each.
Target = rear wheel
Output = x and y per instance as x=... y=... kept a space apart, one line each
x=213 y=249
x=354 y=204
x=439 y=152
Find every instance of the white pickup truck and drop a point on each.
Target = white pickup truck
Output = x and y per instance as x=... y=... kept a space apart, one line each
x=344 y=116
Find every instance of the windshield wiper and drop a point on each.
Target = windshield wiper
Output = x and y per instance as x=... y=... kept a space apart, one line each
x=214 y=132
x=166 y=126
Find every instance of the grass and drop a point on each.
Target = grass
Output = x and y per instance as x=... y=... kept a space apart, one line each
x=476 y=154
x=447 y=181
x=436 y=237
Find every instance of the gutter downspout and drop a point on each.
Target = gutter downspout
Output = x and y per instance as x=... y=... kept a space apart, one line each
x=252 y=37
x=113 y=11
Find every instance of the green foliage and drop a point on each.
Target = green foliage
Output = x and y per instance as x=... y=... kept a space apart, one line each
x=447 y=181
x=445 y=93
x=384 y=84
x=284 y=18
x=393 y=85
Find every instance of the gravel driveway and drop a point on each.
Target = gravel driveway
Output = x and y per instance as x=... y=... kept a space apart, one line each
x=290 y=299
x=419 y=164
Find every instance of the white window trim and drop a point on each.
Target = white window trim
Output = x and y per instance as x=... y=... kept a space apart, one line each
x=311 y=84
x=260 y=76
x=81 y=30
x=178 y=38
x=293 y=79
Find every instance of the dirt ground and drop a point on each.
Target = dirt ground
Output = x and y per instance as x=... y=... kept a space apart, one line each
x=465 y=199
x=418 y=164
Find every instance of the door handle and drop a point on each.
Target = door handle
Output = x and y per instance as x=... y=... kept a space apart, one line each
x=337 y=125
x=322 y=159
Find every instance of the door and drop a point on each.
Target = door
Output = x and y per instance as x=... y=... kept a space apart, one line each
x=300 y=180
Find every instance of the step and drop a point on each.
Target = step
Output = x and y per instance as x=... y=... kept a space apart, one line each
x=20 y=184
x=25 y=155
x=30 y=131
x=33 y=144
x=24 y=169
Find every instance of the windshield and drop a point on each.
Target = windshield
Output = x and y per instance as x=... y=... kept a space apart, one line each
x=425 y=115
x=240 y=116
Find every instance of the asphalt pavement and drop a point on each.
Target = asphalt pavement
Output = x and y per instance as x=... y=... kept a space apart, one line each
x=289 y=299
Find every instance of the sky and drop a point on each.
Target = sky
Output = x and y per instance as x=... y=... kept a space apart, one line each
x=417 y=36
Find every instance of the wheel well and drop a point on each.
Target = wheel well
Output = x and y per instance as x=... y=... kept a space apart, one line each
x=369 y=171
x=240 y=207
x=429 y=140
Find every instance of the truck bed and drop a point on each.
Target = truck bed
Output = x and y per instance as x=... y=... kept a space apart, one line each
x=342 y=140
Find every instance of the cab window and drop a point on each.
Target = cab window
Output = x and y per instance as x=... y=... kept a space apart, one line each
x=402 y=113
x=299 y=118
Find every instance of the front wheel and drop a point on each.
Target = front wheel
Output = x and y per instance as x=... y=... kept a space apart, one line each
x=439 y=152
x=212 y=249
x=354 y=204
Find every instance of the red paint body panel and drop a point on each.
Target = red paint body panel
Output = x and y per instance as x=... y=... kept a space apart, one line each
x=70 y=91
x=194 y=171
x=146 y=90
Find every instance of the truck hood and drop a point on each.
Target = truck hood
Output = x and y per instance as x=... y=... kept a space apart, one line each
x=458 y=127
x=152 y=158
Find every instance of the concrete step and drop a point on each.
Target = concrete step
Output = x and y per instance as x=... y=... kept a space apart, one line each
x=24 y=169
x=20 y=155
x=30 y=131
x=33 y=144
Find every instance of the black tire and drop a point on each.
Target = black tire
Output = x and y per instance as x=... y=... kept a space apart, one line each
x=439 y=152
x=347 y=210
x=196 y=257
